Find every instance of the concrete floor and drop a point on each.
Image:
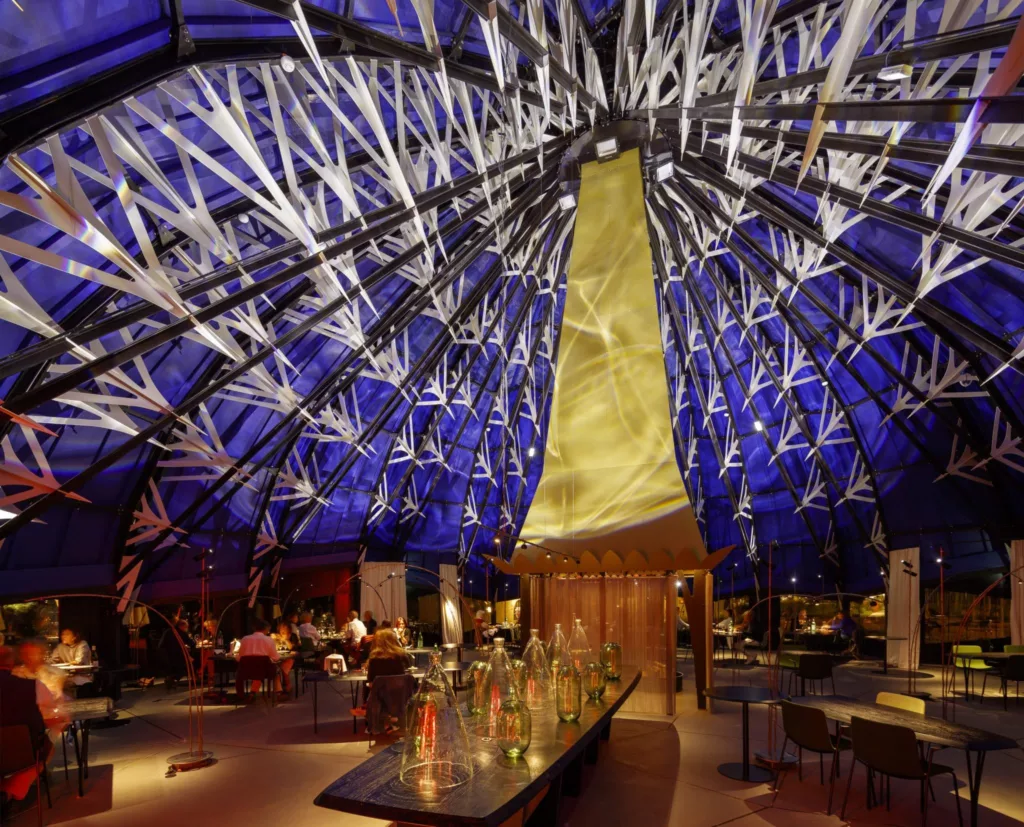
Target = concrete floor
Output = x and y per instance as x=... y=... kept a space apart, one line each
x=270 y=766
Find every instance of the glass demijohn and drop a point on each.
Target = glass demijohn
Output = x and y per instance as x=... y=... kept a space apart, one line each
x=568 y=698
x=558 y=651
x=436 y=753
x=503 y=681
x=513 y=723
x=536 y=672
x=478 y=697
x=519 y=674
x=579 y=646
x=594 y=680
x=611 y=657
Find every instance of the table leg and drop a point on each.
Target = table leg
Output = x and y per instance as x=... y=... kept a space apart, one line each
x=78 y=759
x=315 y=698
x=974 y=783
x=85 y=747
x=746 y=742
x=572 y=777
x=743 y=771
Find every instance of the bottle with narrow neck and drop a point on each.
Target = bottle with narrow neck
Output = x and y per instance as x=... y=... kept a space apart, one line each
x=536 y=669
x=558 y=651
x=579 y=646
x=503 y=681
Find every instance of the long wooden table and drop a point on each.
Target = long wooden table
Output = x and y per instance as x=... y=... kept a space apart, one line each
x=499 y=787
x=935 y=731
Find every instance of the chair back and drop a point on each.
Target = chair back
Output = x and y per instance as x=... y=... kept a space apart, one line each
x=814 y=667
x=1014 y=648
x=1014 y=668
x=970 y=663
x=967 y=649
x=307 y=644
x=17 y=751
x=886 y=748
x=255 y=668
x=390 y=694
x=897 y=701
x=806 y=726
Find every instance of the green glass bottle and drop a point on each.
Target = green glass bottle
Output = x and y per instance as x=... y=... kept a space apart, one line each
x=568 y=694
x=594 y=680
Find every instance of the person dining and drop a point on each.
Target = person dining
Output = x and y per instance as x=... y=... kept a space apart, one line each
x=259 y=643
x=369 y=622
x=749 y=634
x=287 y=644
x=402 y=632
x=355 y=631
x=33 y=666
x=307 y=629
x=22 y=703
x=73 y=651
x=387 y=657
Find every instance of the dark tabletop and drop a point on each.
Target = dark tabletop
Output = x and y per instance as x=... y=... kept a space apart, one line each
x=499 y=787
x=990 y=656
x=930 y=730
x=743 y=694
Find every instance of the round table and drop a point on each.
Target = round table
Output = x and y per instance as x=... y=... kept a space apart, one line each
x=745 y=695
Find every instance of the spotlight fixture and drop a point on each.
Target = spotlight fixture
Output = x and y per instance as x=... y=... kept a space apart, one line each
x=523 y=545
x=679 y=584
x=792 y=579
x=758 y=426
x=287 y=63
x=497 y=541
x=548 y=555
x=565 y=559
x=531 y=452
x=608 y=148
x=665 y=170
x=566 y=201
x=896 y=72
x=244 y=218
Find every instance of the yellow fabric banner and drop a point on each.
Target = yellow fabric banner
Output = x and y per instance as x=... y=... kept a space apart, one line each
x=610 y=476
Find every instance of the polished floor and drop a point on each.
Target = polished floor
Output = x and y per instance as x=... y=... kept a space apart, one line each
x=270 y=766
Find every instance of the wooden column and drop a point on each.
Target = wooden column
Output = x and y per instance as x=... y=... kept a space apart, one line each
x=699 y=605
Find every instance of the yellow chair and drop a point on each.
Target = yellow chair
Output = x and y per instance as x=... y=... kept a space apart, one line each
x=970 y=665
x=1014 y=648
x=898 y=701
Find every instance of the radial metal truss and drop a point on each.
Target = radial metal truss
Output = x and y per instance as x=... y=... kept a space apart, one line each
x=291 y=302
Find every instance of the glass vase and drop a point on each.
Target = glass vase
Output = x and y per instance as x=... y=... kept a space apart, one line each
x=435 y=752
x=519 y=674
x=568 y=697
x=594 y=680
x=514 y=726
x=558 y=651
x=579 y=646
x=503 y=682
x=478 y=698
x=611 y=657
x=537 y=673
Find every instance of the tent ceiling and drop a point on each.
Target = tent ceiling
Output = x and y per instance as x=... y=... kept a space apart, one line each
x=284 y=278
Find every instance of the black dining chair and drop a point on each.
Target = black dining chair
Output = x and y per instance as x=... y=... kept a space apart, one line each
x=892 y=752
x=1011 y=670
x=813 y=668
x=807 y=727
x=17 y=754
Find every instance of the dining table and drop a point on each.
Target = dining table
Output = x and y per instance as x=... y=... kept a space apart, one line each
x=928 y=730
x=745 y=695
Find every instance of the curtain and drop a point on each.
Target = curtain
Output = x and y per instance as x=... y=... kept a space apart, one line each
x=451 y=613
x=375 y=585
x=1016 y=592
x=903 y=610
x=633 y=612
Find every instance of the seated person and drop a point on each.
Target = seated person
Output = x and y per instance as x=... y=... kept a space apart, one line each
x=21 y=704
x=73 y=651
x=355 y=631
x=260 y=643
x=750 y=636
x=387 y=657
x=33 y=666
x=369 y=622
x=176 y=659
x=307 y=629
x=845 y=628
x=287 y=644
x=402 y=631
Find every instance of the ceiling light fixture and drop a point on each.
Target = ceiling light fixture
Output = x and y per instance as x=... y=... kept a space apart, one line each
x=665 y=170
x=244 y=218
x=531 y=452
x=608 y=148
x=897 y=72
x=758 y=426
x=287 y=63
x=566 y=201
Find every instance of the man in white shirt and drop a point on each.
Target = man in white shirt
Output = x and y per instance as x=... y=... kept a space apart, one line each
x=355 y=631
x=307 y=629
x=260 y=643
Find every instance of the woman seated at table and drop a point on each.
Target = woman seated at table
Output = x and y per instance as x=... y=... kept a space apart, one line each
x=402 y=632
x=387 y=657
x=287 y=644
